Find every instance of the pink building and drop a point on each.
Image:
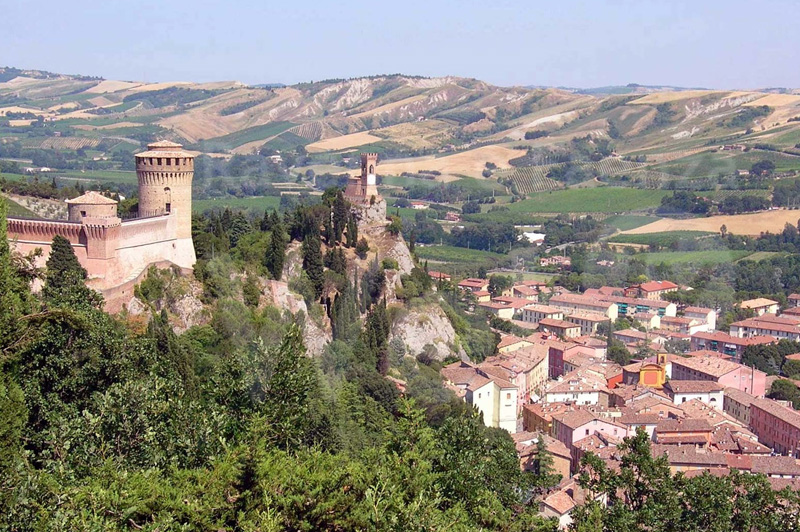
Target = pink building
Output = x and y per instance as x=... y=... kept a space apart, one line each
x=776 y=426
x=725 y=372
x=572 y=426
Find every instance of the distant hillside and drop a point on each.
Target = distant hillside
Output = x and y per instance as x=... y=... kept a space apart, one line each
x=399 y=116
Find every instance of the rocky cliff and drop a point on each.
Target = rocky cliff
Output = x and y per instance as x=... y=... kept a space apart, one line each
x=423 y=324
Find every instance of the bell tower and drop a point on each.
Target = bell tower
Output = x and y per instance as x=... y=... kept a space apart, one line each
x=369 y=183
x=165 y=172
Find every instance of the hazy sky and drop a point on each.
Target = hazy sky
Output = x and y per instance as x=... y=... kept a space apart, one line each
x=715 y=44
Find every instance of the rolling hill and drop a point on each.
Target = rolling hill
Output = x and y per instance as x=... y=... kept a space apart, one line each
x=403 y=117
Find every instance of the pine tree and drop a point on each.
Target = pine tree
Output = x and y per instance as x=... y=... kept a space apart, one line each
x=312 y=262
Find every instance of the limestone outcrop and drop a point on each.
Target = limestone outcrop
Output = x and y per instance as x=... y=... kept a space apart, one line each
x=426 y=324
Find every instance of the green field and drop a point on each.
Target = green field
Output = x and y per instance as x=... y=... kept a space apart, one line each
x=250 y=134
x=766 y=255
x=711 y=164
x=603 y=199
x=112 y=176
x=626 y=222
x=256 y=203
x=694 y=257
x=663 y=239
x=456 y=254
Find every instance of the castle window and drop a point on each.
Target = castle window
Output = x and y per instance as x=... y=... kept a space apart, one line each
x=83 y=214
x=158 y=161
x=169 y=161
x=169 y=207
x=151 y=160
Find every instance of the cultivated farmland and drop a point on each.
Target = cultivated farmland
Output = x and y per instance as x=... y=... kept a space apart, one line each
x=601 y=199
x=738 y=224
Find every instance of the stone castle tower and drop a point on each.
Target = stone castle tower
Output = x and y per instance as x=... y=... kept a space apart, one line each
x=364 y=188
x=165 y=174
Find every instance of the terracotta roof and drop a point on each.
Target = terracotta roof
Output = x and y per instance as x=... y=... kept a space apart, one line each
x=775 y=465
x=739 y=396
x=516 y=302
x=560 y=501
x=557 y=324
x=574 y=418
x=544 y=309
x=588 y=316
x=526 y=290
x=697 y=310
x=719 y=336
x=649 y=303
x=655 y=286
x=510 y=339
x=712 y=366
x=689 y=455
x=692 y=386
x=91 y=198
x=781 y=412
x=758 y=302
x=683 y=425
x=579 y=300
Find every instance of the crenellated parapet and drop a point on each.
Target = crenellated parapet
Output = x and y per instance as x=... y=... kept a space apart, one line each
x=44 y=230
x=157 y=178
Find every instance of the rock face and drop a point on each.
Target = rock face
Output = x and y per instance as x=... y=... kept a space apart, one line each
x=277 y=294
x=188 y=309
x=374 y=214
x=423 y=325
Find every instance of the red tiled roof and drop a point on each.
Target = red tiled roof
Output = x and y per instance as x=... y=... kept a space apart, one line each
x=656 y=286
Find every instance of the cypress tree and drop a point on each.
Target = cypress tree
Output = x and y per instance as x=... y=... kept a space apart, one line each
x=313 y=263
x=276 y=251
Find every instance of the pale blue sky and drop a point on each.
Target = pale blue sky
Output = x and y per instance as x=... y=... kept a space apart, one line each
x=716 y=44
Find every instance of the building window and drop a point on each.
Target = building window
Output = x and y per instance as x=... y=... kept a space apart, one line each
x=83 y=214
x=158 y=161
x=508 y=396
x=479 y=396
x=587 y=432
x=169 y=207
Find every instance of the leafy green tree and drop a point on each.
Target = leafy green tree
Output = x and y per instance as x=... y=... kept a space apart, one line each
x=15 y=296
x=499 y=283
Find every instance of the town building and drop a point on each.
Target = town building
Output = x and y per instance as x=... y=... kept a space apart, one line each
x=472 y=284
x=725 y=343
x=706 y=315
x=536 y=313
x=781 y=327
x=560 y=328
x=651 y=289
x=724 y=372
x=708 y=392
x=776 y=426
x=588 y=321
x=578 y=303
x=494 y=397
x=760 y=306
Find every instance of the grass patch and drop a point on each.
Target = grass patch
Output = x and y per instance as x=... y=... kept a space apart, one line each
x=239 y=204
x=766 y=255
x=664 y=239
x=456 y=254
x=693 y=257
x=15 y=209
x=626 y=222
x=603 y=199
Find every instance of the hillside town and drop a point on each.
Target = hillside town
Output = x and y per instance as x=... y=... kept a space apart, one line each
x=702 y=409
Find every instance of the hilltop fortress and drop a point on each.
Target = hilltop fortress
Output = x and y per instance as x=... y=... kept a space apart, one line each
x=116 y=253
